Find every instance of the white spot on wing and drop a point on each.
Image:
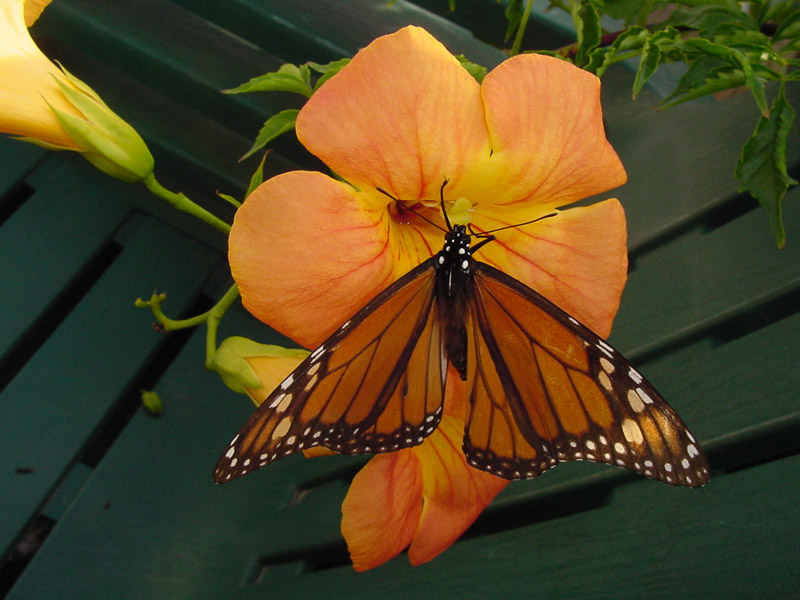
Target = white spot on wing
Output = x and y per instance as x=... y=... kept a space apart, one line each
x=282 y=427
x=607 y=365
x=635 y=401
x=632 y=432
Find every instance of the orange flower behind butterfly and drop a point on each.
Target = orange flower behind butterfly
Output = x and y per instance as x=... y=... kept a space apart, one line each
x=308 y=250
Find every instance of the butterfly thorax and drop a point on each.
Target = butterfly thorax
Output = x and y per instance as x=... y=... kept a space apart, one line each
x=454 y=283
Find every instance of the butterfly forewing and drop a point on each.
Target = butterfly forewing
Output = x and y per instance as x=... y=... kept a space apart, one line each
x=571 y=395
x=376 y=385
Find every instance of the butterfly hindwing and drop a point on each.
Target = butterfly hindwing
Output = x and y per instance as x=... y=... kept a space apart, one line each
x=350 y=394
x=544 y=388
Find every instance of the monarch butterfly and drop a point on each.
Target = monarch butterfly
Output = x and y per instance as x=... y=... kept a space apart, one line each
x=543 y=388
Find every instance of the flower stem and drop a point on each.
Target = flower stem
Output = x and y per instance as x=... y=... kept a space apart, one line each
x=211 y=317
x=523 y=22
x=181 y=202
x=214 y=317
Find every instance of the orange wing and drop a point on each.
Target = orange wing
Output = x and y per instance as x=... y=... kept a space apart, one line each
x=544 y=388
x=376 y=385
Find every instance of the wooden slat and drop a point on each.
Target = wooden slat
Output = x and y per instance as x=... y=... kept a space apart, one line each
x=703 y=278
x=50 y=408
x=48 y=241
x=16 y=160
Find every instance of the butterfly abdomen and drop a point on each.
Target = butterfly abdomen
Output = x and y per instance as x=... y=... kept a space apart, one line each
x=453 y=288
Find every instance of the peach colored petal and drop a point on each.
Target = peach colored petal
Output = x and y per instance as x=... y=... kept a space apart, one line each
x=546 y=126
x=271 y=370
x=307 y=255
x=382 y=508
x=454 y=493
x=576 y=259
x=403 y=115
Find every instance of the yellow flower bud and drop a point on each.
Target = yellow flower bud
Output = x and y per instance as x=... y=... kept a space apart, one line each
x=45 y=105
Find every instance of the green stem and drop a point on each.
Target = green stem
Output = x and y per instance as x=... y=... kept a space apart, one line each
x=181 y=202
x=523 y=22
x=214 y=317
x=211 y=317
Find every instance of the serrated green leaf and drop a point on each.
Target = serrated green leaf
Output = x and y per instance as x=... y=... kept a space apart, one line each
x=753 y=80
x=628 y=11
x=289 y=78
x=779 y=12
x=276 y=125
x=604 y=56
x=701 y=69
x=474 y=69
x=648 y=63
x=258 y=176
x=653 y=53
x=587 y=25
x=328 y=70
x=712 y=20
x=513 y=14
x=788 y=29
x=733 y=4
x=722 y=80
x=762 y=164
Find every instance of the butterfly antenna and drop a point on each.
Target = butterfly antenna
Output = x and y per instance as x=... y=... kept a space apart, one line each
x=411 y=210
x=514 y=226
x=441 y=202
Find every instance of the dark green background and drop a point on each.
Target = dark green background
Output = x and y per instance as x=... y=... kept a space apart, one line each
x=124 y=502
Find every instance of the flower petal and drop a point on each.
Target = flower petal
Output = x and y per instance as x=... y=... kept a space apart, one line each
x=403 y=115
x=546 y=126
x=307 y=255
x=454 y=493
x=576 y=259
x=27 y=83
x=33 y=8
x=381 y=510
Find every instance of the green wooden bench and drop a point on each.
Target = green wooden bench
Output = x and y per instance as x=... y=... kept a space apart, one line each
x=101 y=500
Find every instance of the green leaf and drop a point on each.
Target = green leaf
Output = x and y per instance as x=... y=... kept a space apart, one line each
x=513 y=17
x=713 y=20
x=604 y=56
x=700 y=70
x=782 y=13
x=276 y=125
x=788 y=29
x=732 y=4
x=476 y=70
x=722 y=80
x=762 y=164
x=628 y=11
x=587 y=25
x=258 y=176
x=229 y=199
x=652 y=56
x=327 y=70
x=752 y=80
x=289 y=78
